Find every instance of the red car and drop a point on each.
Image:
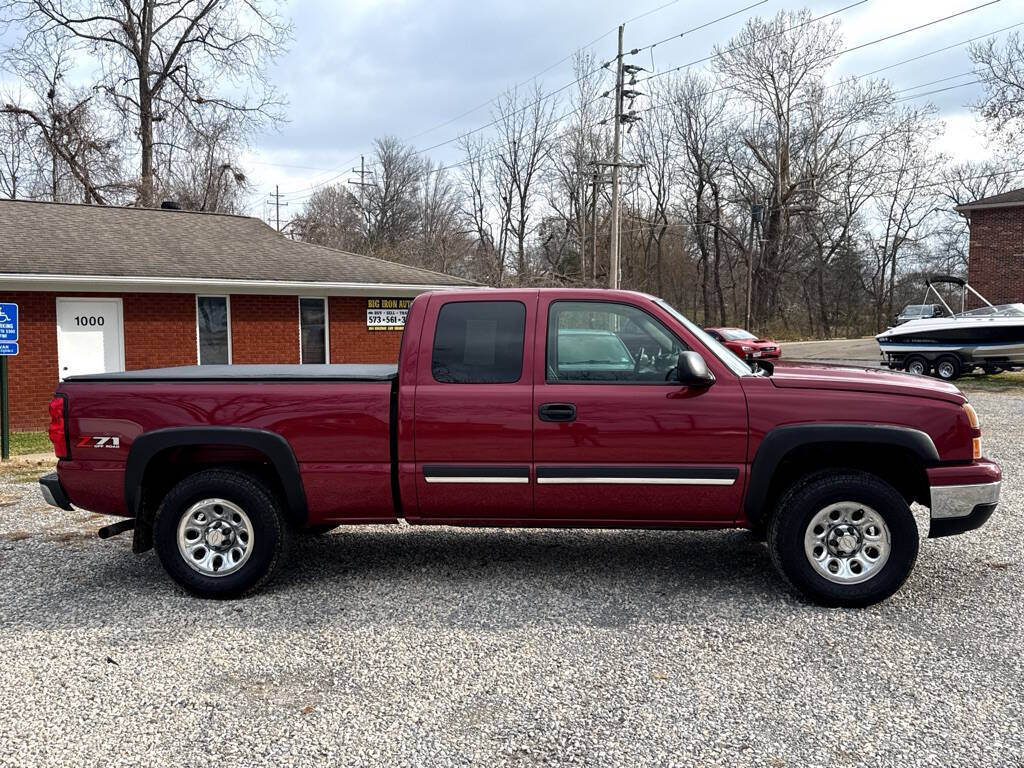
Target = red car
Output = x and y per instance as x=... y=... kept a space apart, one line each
x=552 y=408
x=745 y=344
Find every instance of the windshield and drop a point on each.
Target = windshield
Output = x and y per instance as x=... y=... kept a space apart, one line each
x=733 y=334
x=1000 y=310
x=575 y=348
x=728 y=359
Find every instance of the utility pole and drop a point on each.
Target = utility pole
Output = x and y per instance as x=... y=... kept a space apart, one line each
x=613 y=258
x=277 y=205
x=362 y=185
x=621 y=118
x=755 y=218
x=593 y=227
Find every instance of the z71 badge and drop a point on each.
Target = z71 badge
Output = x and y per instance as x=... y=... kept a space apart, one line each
x=99 y=441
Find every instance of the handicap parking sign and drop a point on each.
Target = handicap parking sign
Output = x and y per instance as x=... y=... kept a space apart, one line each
x=8 y=324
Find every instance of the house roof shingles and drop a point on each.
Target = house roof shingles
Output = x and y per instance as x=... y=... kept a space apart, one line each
x=89 y=240
x=1007 y=199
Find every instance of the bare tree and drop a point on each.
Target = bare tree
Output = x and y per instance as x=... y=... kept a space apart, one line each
x=443 y=244
x=525 y=131
x=905 y=203
x=331 y=217
x=391 y=204
x=16 y=161
x=775 y=65
x=72 y=134
x=1001 y=69
x=166 y=59
x=198 y=167
x=567 y=180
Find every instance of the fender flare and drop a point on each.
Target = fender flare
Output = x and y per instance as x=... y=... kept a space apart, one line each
x=272 y=445
x=778 y=442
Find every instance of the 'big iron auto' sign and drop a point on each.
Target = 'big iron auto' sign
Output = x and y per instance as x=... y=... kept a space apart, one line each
x=386 y=314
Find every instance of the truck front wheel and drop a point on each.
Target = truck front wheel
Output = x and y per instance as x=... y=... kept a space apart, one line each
x=220 y=533
x=843 y=538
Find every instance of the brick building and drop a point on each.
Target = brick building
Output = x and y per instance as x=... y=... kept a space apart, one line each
x=106 y=289
x=996 y=258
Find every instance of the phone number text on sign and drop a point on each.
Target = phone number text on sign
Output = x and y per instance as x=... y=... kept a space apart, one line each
x=386 y=314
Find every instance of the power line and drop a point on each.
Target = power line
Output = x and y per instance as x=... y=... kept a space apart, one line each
x=633 y=51
x=544 y=71
x=714 y=55
x=938 y=90
x=740 y=47
x=555 y=92
x=315 y=185
x=856 y=78
x=658 y=225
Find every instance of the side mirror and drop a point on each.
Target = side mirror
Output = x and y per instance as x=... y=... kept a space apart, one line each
x=692 y=371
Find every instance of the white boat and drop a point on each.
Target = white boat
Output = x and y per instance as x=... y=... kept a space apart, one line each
x=990 y=337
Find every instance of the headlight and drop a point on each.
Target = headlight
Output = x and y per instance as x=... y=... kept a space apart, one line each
x=745 y=348
x=972 y=418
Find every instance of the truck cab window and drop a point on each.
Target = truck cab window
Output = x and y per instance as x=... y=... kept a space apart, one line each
x=607 y=342
x=479 y=342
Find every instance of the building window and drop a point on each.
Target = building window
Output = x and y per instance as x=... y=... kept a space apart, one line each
x=213 y=330
x=313 y=331
x=479 y=342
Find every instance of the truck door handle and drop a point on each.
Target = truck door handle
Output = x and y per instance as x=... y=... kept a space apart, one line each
x=557 y=412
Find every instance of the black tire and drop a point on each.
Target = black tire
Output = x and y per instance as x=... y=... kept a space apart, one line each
x=268 y=542
x=992 y=370
x=917 y=365
x=948 y=367
x=805 y=500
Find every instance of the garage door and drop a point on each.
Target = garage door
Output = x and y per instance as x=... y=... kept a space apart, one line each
x=89 y=336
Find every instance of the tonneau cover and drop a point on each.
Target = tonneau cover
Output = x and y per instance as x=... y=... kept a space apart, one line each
x=250 y=373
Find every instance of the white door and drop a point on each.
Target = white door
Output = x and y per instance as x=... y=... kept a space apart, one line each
x=89 y=336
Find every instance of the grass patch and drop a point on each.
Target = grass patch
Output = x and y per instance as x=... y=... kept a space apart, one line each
x=1009 y=381
x=30 y=442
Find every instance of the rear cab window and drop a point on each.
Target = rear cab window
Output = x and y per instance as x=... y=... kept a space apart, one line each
x=479 y=342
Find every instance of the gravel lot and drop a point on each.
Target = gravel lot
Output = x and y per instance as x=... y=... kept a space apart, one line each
x=421 y=647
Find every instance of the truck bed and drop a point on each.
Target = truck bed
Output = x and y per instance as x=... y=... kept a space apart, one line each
x=318 y=372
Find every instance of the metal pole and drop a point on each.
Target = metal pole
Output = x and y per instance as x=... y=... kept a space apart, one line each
x=750 y=266
x=613 y=260
x=5 y=440
x=593 y=230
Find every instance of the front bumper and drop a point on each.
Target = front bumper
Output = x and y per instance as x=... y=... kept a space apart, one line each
x=959 y=508
x=53 y=492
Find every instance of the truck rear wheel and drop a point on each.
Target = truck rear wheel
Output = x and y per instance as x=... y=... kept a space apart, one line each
x=220 y=534
x=843 y=538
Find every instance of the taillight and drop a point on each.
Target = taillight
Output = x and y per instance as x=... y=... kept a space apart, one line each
x=58 y=427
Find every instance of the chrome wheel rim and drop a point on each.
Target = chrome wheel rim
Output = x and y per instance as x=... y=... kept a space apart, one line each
x=945 y=370
x=847 y=543
x=916 y=367
x=215 y=537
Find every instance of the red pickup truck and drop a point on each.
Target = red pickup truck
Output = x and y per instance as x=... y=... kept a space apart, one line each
x=555 y=408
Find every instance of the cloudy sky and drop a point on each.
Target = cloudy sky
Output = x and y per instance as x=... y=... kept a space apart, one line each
x=426 y=70
x=365 y=68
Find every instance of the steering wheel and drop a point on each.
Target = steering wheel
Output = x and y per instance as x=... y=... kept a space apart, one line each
x=636 y=363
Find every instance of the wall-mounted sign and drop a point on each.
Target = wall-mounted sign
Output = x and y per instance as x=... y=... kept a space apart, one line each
x=386 y=314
